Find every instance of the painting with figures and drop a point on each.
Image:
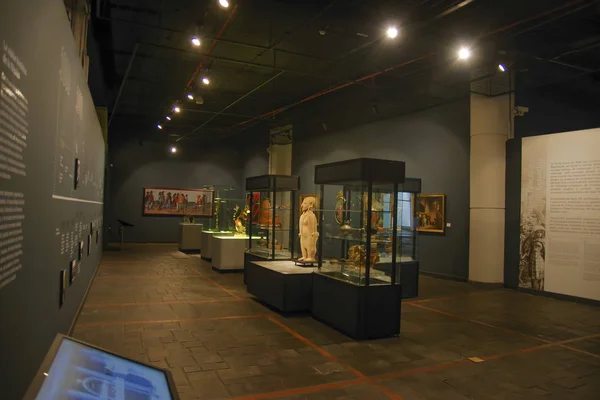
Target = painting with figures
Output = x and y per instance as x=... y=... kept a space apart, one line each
x=174 y=201
x=431 y=213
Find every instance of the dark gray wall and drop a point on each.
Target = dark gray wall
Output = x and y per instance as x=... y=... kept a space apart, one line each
x=62 y=125
x=550 y=111
x=256 y=163
x=135 y=165
x=434 y=143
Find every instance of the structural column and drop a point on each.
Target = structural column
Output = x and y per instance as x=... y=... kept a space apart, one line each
x=490 y=128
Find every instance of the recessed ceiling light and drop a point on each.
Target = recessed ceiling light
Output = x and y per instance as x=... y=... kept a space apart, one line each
x=224 y=3
x=464 y=53
x=173 y=149
x=501 y=67
x=205 y=80
x=392 y=32
x=168 y=118
x=159 y=126
x=196 y=41
x=176 y=109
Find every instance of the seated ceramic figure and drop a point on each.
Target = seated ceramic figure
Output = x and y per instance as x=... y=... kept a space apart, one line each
x=308 y=231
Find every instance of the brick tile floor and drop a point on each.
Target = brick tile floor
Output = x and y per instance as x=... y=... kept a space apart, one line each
x=155 y=304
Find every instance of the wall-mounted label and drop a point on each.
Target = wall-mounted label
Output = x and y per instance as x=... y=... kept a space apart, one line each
x=63 y=287
x=73 y=270
x=76 y=175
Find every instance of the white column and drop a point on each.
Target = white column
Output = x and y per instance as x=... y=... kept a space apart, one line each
x=490 y=127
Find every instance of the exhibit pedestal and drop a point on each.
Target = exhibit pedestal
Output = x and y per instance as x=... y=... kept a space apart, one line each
x=361 y=312
x=206 y=243
x=228 y=252
x=280 y=284
x=190 y=237
x=409 y=279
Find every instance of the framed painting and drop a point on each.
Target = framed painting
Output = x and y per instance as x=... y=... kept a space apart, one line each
x=175 y=201
x=317 y=204
x=431 y=213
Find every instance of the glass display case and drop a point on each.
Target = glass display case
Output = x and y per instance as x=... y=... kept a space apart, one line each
x=361 y=246
x=219 y=223
x=230 y=215
x=271 y=223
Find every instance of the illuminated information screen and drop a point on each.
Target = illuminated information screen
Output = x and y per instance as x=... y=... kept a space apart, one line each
x=83 y=372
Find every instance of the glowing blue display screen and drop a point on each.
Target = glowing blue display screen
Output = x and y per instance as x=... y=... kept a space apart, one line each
x=79 y=372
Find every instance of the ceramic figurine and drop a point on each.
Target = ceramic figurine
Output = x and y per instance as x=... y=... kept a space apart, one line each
x=308 y=231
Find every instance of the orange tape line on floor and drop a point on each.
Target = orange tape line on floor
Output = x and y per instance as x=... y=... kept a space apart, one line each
x=147 y=276
x=478 y=322
x=155 y=303
x=361 y=377
x=302 y=390
x=458 y=296
x=229 y=292
x=166 y=321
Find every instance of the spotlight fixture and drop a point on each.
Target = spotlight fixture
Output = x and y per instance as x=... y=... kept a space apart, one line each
x=392 y=32
x=190 y=96
x=464 y=53
x=224 y=3
x=173 y=149
x=501 y=67
x=168 y=118
x=205 y=80
x=159 y=126
x=196 y=41
x=177 y=109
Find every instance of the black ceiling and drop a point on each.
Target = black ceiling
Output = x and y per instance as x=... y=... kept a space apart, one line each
x=327 y=63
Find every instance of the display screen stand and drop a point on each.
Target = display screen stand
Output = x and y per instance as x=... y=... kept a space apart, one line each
x=76 y=370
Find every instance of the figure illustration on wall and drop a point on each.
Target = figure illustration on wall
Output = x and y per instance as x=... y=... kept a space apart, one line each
x=171 y=201
x=533 y=248
x=308 y=231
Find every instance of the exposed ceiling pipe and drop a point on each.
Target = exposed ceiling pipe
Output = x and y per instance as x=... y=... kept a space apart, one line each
x=231 y=60
x=207 y=38
x=212 y=46
x=331 y=90
x=114 y=110
x=232 y=104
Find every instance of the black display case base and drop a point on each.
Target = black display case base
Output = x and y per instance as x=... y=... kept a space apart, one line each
x=280 y=284
x=360 y=312
x=409 y=278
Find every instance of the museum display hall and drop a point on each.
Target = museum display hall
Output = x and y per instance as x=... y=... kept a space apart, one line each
x=247 y=200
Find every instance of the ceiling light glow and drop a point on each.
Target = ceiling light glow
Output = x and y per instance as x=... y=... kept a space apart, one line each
x=173 y=149
x=205 y=80
x=196 y=41
x=392 y=32
x=501 y=67
x=190 y=96
x=176 y=109
x=224 y=3
x=159 y=126
x=168 y=118
x=464 y=53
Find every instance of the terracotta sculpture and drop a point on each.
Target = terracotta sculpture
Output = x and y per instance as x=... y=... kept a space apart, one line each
x=308 y=231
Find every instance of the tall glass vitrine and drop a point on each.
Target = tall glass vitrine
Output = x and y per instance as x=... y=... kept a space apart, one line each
x=357 y=288
x=272 y=220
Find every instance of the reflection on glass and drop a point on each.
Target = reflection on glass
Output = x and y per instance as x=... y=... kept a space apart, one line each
x=359 y=251
x=271 y=230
